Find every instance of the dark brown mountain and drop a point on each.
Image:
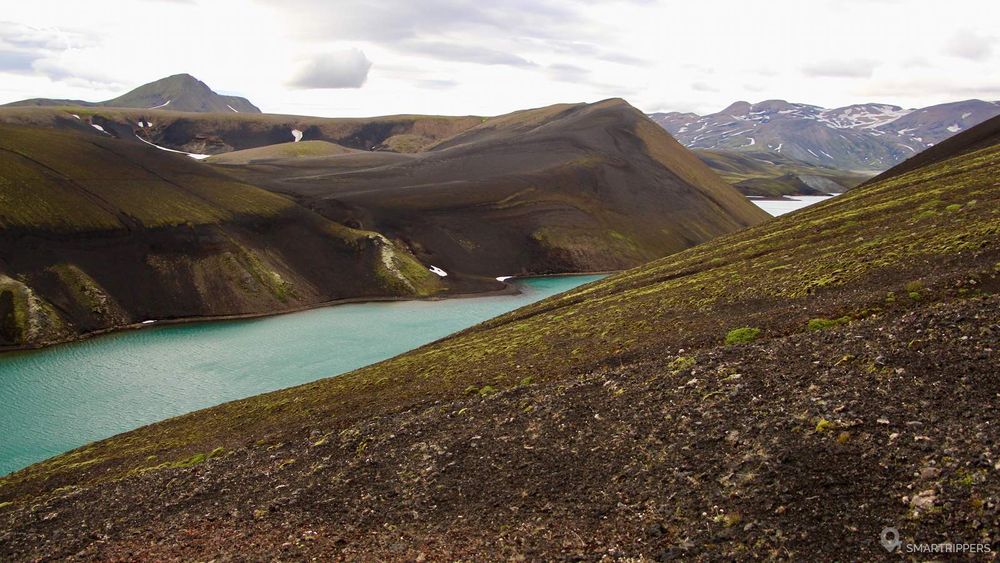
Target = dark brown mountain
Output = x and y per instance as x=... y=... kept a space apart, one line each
x=574 y=187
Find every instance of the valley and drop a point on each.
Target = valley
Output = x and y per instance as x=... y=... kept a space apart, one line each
x=696 y=405
x=510 y=325
x=99 y=222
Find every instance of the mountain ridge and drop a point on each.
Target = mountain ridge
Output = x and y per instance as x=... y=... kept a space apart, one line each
x=860 y=137
x=179 y=92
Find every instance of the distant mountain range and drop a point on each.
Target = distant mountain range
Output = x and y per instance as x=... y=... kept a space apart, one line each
x=180 y=92
x=863 y=137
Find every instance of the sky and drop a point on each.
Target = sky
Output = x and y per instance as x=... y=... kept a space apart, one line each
x=472 y=57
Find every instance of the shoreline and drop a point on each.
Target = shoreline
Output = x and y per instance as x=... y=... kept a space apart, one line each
x=508 y=289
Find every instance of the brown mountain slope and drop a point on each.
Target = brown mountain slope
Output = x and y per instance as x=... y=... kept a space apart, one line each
x=97 y=233
x=572 y=187
x=626 y=418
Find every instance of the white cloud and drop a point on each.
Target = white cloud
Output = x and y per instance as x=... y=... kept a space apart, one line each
x=832 y=68
x=340 y=69
x=968 y=44
x=474 y=57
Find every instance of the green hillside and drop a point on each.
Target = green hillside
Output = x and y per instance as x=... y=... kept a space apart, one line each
x=69 y=182
x=97 y=233
x=293 y=150
x=786 y=390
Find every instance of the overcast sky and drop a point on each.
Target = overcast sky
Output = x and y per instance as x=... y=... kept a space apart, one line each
x=375 y=57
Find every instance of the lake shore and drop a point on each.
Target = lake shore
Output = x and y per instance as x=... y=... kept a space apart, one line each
x=65 y=396
x=508 y=289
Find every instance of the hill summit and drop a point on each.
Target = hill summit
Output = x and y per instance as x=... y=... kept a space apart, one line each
x=180 y=92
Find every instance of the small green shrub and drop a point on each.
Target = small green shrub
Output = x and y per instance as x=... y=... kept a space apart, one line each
x=681 y=363
x=742 y=335
x=820 y=323
x=487 y=390
x=953 y=208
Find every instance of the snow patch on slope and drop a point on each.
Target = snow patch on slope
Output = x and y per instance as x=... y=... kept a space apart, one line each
x=192 y=155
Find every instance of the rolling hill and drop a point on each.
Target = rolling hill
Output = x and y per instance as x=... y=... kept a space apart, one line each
x=570 y=187
x=785 y=391
x=564 y=189
x=180 y=92
x=98 y=233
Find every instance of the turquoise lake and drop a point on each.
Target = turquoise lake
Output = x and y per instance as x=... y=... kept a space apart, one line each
x=57 y=399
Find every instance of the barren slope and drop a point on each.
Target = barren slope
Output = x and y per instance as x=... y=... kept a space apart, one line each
x=572 y=187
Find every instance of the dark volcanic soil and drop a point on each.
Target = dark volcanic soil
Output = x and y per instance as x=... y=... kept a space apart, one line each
x=802 y=448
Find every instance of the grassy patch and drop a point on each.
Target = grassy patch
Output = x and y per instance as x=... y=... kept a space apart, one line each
x=742 y=335
x=822 y=324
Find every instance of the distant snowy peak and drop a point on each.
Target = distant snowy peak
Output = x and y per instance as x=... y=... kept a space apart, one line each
x=866 y=137
x=861 y=116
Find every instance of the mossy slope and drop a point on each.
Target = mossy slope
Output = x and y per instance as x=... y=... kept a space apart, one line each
x=97 y=233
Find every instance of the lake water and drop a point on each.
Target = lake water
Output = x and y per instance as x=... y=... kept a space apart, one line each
x=56 y=399
x=781 y=206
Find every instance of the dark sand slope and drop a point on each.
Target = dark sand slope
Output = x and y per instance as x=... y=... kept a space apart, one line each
x=97 y=233
x=573 y=187
x=611 y=420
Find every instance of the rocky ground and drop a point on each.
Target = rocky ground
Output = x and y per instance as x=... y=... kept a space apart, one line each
x=801 y=447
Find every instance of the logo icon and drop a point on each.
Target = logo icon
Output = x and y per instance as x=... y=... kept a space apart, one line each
x=890 y=539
